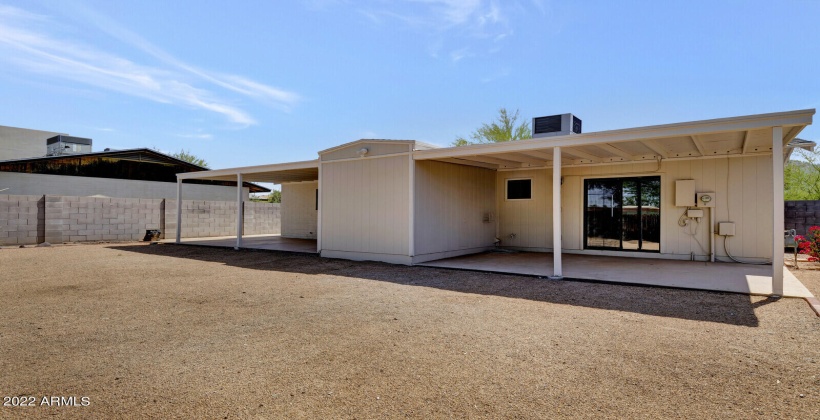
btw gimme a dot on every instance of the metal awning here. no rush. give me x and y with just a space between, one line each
736 136
275 174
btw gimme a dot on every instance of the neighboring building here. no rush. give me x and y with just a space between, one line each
21 143
132 173
665 191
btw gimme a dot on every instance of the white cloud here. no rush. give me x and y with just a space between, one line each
25 42
483 23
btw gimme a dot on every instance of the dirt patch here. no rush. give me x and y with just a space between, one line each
178 332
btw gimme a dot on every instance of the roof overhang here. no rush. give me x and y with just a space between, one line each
735 136
276 173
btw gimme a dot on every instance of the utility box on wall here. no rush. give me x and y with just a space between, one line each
685 193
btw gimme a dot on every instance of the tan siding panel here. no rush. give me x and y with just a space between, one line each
450 204
367 208
299 215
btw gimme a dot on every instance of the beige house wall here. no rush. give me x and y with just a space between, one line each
453 206
526 224
742 187
299 214
40 184
366 209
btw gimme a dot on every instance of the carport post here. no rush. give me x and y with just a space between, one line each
557 269
238 211
179 209
777 211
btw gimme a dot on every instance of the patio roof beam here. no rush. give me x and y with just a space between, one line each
654 146
469 163
582 155
493 160
698 145
522 158
614 150
540 154
791 135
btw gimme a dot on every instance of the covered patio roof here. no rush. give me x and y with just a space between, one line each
275 173
736 136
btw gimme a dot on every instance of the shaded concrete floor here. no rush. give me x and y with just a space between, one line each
268 242
722 277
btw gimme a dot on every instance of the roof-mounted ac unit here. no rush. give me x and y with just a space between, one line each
556 125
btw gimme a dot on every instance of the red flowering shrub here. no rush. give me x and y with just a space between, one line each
810 244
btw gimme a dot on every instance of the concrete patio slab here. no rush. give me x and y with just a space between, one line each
718 276
268 242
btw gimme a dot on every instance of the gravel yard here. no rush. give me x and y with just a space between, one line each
168 331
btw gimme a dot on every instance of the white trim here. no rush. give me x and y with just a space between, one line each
367 256
179 210
238 211
410 143
506 189
297 182
557 263
412 211
777 212
368 157
319 213
423 258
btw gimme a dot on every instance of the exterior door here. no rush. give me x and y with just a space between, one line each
622 214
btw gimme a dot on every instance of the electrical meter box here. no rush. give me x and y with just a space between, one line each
705 199
685 193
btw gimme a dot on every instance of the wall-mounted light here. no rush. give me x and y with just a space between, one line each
362 152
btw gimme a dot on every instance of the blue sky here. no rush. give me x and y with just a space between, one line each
255 82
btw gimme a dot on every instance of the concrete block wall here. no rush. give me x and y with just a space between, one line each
32 219
80 219
801 215
201 218
21 219
262 218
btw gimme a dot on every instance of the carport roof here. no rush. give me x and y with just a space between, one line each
275 174
735 136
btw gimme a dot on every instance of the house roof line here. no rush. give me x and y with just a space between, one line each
422 144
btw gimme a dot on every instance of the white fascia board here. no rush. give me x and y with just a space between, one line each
308 164
743 123
342 146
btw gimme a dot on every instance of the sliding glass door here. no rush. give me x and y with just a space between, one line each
622 213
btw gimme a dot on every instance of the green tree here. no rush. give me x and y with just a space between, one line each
802 178
190 158
503 129
275 196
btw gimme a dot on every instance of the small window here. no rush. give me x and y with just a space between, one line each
519 189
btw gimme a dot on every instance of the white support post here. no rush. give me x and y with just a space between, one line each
777 211
319 213
557 268
238 211
179 210
411 210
